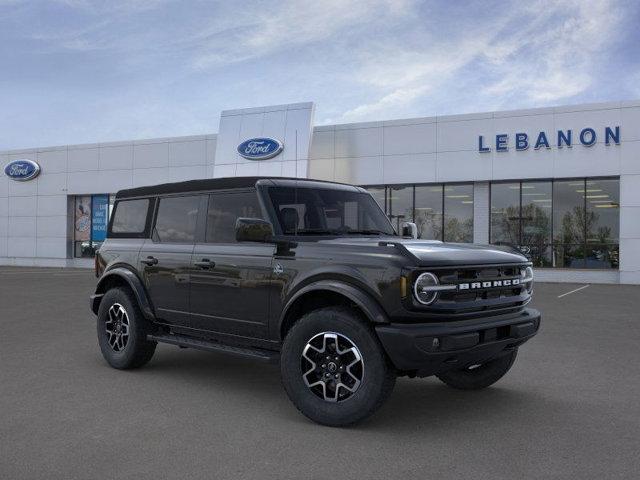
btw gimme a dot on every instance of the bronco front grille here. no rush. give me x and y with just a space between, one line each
480 289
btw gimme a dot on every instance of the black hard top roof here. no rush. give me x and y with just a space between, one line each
209 184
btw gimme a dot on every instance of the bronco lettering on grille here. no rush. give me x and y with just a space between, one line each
511 282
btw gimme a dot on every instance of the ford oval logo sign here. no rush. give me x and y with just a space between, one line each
260 148
22 170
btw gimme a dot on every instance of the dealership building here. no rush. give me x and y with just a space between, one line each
562 184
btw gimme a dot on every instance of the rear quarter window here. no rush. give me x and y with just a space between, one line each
130 217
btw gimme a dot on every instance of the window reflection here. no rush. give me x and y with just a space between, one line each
441 212
400 205
603 209
568 212
91 216
603 223
536 221
505 214
428 212
564 223
569 223
568 256
458 213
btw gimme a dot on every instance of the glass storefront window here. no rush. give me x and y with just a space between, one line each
91 217
602 256
603 223
505 214
441 212
82 227
568 212
569 223
428 211
536 221
568 256
458 213
564 223
603 209
400 202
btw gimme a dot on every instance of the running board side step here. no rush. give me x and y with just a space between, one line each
211 346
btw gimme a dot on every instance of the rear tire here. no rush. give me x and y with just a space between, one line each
481 376
122 331
335 386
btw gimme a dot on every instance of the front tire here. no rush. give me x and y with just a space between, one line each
481 376
334 369
122 331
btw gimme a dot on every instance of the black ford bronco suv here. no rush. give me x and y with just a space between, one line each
310 274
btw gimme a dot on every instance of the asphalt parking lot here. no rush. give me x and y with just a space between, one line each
569 408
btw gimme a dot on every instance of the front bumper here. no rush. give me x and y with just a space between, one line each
432 348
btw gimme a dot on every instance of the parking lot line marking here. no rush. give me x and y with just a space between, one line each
573 291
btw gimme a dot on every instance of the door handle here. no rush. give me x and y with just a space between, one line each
149 260
205 263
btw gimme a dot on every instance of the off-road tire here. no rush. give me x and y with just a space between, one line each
378 377
482 376
138 350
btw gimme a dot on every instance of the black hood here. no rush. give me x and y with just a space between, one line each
434 253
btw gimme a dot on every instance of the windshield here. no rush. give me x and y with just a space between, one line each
317 211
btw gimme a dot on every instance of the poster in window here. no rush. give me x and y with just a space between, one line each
99 217
82 229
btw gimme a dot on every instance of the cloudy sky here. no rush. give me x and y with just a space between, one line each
80 71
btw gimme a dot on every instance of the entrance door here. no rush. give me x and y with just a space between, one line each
230 281
166 259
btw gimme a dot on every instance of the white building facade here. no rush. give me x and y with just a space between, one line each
562 184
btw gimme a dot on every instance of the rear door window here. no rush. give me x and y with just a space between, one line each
130 216
225 209
177 219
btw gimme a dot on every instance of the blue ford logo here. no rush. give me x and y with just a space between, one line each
260 148
22 170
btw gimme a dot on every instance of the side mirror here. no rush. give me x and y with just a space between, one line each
253 230
409 229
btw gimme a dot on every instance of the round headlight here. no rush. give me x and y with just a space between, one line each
422 288
527 278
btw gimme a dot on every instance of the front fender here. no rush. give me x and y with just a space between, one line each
123 275
369 306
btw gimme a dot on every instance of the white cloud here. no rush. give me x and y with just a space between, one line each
112 6
159 68
286 25
214 34
554 63
397 98
543 52
404 77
